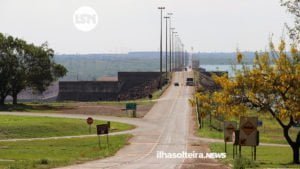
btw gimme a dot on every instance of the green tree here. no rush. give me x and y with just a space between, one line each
4 68
271 85
24 66
18 68
42 69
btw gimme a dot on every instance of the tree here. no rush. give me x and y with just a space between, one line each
293 6
42 70
4 68
271 85
24 65
18 68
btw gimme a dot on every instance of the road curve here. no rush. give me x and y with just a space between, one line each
164 128
168 132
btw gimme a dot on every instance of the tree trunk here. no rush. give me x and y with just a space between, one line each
296 154
2 100
15 98
294 145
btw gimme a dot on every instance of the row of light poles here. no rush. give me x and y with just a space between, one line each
176 48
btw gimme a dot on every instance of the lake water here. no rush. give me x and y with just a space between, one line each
227 68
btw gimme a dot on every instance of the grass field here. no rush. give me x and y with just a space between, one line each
267 156
270 132
35 127
53 153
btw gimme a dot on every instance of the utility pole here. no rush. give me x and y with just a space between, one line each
170 41
161 22
177 51
172 47
173 51
182 58
166 17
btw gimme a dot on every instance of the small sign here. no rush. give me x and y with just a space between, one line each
248 131
259 123
89 121
102 129
130 106
229 129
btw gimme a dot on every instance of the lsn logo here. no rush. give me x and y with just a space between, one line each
85 18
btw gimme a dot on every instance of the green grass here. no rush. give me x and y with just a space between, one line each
53 153
267 156
270 132
33 127
37 107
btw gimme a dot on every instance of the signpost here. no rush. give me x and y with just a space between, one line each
248 131
249 135
229 130
131 106
235 139
90 121
103 129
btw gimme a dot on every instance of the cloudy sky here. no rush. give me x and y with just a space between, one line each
133 25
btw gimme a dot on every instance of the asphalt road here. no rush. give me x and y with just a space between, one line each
165 129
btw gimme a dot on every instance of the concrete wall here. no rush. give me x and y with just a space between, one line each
132 79
130 85
89 90
138 84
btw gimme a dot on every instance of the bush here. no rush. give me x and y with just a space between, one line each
44 161
243 163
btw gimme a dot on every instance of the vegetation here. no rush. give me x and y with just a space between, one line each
293 7
270 132
24 65
271 85
267 157
37 107
13 127
54 153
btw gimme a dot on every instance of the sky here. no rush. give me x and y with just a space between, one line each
134 25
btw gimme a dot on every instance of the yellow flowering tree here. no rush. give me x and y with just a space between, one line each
271 85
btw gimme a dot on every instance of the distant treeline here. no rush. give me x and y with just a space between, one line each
94 66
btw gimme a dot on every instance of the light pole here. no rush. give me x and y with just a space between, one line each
161 15
170 40
177 51
166 17
173 50
182 57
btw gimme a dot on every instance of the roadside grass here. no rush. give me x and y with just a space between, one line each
270 132
13 127
37 107
54 153
267 156
53 107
